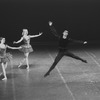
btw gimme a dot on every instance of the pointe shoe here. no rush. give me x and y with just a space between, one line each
5 78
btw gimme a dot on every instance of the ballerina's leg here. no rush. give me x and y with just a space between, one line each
4 71
27 62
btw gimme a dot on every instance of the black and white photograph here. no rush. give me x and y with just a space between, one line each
49 50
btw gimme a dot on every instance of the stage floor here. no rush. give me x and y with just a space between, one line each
70 80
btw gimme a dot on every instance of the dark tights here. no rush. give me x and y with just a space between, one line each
62 53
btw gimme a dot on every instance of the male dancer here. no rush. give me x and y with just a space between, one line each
64 40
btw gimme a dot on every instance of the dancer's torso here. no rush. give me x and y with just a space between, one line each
2 50
63 43
26 40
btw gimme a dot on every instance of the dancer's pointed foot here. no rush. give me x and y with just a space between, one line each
5 78
19 65
85 61
46 74
27 68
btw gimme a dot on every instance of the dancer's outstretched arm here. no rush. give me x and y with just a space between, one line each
78 41
53 30
12 47
18 40
32 36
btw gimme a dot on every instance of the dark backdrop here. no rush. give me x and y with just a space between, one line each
80 17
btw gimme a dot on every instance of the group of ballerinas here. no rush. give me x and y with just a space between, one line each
26 48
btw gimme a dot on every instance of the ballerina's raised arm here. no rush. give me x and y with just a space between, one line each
32 36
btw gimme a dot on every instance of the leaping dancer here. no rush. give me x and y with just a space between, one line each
64 40
26 48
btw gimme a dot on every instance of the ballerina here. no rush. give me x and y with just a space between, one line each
4 56
26 48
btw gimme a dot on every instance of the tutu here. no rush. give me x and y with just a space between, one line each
6 58
26 48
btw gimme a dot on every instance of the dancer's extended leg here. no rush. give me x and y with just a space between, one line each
27 62
4 71
67 53
21 62
57 59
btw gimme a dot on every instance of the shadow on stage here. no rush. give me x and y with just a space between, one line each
25 66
